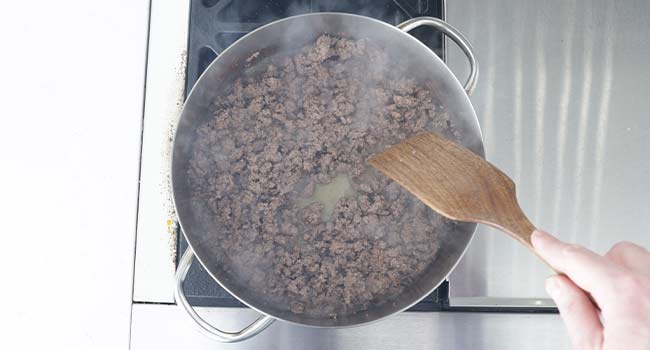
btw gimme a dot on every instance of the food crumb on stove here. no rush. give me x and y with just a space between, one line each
307 120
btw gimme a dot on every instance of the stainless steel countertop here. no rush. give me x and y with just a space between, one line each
563 103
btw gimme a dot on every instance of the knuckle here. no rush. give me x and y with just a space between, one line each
574 249
623 246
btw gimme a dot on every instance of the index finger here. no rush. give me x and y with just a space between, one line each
587 269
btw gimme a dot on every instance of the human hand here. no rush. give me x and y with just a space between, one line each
618 282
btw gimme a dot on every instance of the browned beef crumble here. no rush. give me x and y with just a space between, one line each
309 118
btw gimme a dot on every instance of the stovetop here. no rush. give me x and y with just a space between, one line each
216 24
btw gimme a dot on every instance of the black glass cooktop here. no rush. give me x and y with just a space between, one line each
216 24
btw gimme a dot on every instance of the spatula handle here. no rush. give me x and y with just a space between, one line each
520 228
516 224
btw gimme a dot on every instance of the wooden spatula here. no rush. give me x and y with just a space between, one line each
456 183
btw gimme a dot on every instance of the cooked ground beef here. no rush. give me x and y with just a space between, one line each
262 164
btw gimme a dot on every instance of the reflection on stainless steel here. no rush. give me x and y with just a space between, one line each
563 107
538 134
504 303
603 117
585 113
540 114
563 113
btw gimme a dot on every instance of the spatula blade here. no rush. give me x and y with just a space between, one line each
446 176
456 183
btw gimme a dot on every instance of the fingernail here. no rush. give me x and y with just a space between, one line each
552 287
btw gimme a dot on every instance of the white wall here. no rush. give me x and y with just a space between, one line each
71 86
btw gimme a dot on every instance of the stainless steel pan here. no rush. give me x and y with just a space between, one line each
282 35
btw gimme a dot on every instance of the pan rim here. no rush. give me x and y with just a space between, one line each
173 174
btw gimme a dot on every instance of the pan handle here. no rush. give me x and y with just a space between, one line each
225 337
455 35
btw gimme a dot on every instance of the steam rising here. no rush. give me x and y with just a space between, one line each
213 102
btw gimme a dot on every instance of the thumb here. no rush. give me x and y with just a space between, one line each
578 312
